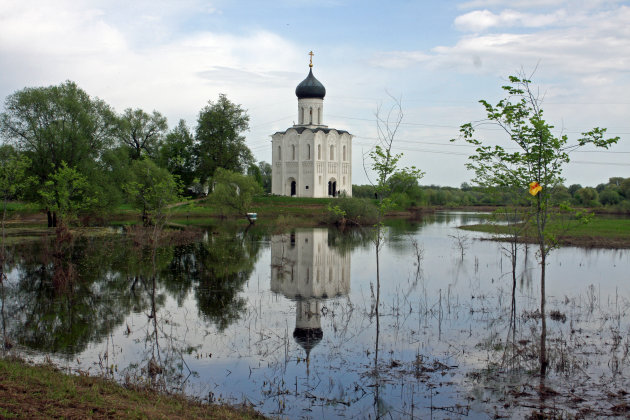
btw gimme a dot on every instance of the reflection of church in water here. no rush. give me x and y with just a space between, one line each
306 269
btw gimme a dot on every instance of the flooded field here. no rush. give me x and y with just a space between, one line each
287 321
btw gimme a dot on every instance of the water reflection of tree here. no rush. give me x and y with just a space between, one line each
65 298
346 240
62 302
221 267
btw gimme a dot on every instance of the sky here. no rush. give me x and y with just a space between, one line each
438 58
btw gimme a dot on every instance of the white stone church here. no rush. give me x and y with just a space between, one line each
311 159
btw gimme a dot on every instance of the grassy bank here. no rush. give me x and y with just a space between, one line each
282 212
600 232
38 392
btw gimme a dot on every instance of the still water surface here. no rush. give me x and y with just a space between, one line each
287 323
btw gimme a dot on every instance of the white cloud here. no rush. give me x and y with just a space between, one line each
481 20
586 45
537 4
46 28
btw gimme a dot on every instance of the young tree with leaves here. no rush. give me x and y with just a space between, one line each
534 157
66 193
384 163
235 192
151 189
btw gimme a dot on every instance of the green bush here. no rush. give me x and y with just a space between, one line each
609 197
351 211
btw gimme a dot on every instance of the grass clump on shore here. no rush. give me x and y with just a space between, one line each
38 392
600 232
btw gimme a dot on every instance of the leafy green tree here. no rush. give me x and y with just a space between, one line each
177 153
615 181
253 171
265 172
573 189
587 197
141 132
220 140
66 194
535 155
115 172
151 190
609 197
58 124
235 192
261 172
13 177
559 195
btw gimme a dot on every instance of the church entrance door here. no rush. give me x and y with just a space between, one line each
332 188
293 188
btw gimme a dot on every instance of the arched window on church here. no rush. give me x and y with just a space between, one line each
344 152
308 152
319 152
279 153
332 153
293 152
319 116
301 121
310 120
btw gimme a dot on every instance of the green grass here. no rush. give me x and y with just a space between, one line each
599 232
20 207
44 392
267 207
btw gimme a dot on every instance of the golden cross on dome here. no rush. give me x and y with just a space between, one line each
311 63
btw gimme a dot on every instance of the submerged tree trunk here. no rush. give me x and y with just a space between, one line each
378 299
514 246
543 331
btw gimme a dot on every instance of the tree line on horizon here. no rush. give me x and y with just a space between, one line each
405 193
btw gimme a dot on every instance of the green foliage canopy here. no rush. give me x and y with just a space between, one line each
141 132
58 124
220 140
234 191
151 189
177 153
66 193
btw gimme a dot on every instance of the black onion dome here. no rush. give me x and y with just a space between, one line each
308 337
310 87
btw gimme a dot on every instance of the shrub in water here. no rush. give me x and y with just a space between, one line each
353 211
